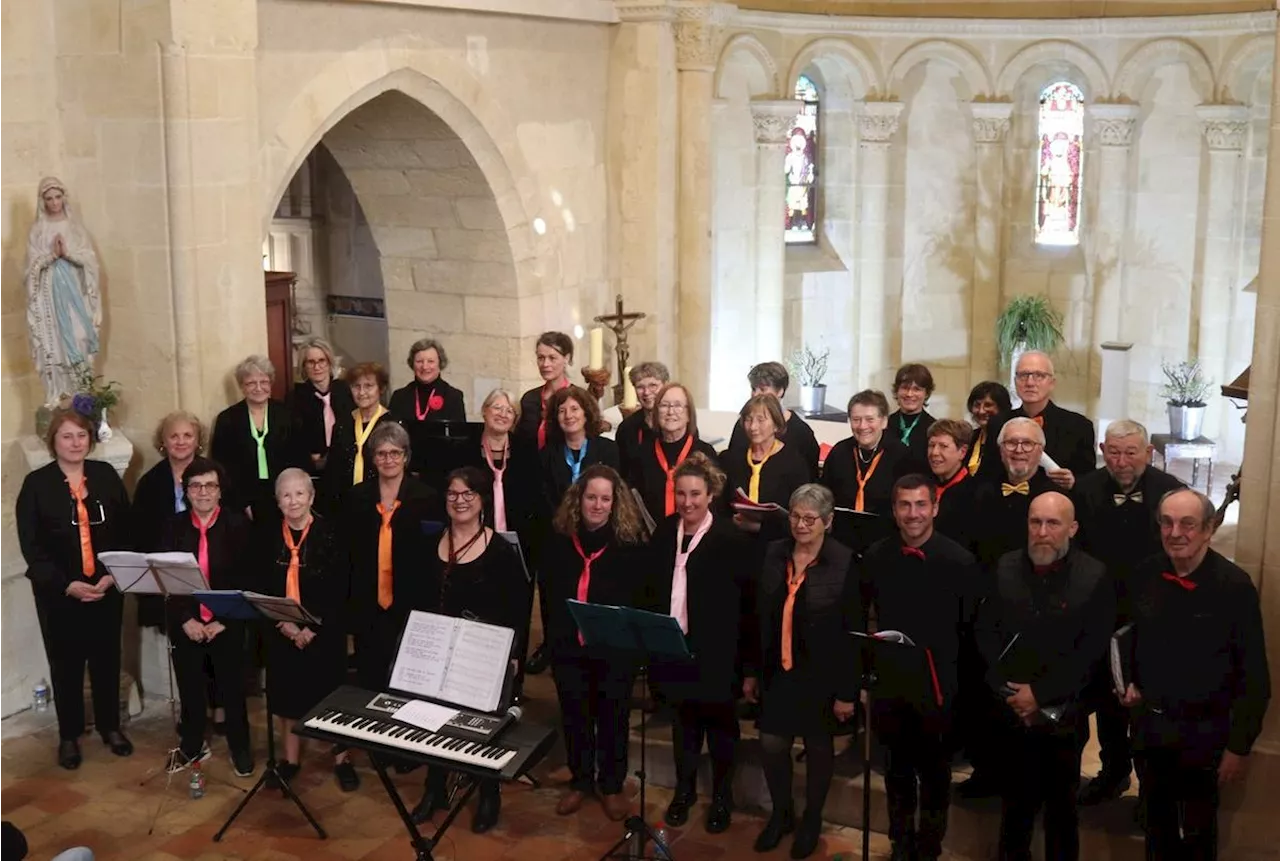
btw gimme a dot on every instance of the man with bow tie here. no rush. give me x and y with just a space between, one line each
922 584
1040 632
1200 684
1116 507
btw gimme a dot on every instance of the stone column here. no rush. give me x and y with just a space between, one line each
877 125
990 131
1225 129
1112 127
698 30
773 121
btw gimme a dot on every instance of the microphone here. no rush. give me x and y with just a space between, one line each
516 712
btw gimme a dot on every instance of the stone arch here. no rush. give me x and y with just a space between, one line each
1048 51
965 61
1143 61
748 53
842 63
1241 68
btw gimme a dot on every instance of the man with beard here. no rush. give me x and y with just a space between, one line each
1041 631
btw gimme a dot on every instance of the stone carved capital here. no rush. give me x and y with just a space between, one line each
773 120
699 31
991 121
1113 124
1225 127
878 122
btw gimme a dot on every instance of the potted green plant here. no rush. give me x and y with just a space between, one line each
1027 323
1186 392
810 368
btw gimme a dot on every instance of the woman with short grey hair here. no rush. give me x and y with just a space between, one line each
252 439
427 398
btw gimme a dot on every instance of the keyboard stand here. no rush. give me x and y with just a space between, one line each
422 846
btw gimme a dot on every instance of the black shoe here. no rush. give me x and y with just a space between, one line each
806 839
980 784
242 763
1104 787
69 754
487 810
538 661
678 810
780 824
348 780
718 816
119 745
435 798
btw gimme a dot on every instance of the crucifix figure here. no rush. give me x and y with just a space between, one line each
619 322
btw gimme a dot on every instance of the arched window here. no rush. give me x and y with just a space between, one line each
1060 160
801 167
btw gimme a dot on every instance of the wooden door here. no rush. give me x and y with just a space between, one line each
280 329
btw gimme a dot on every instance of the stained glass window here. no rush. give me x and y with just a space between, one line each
1061 154
801 167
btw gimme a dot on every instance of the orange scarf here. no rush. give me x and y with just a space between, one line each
860 503
291 587
384 554
670 497
961 475
88 563
794 582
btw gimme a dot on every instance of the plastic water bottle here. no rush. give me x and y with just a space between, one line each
662 841
197 780
40 696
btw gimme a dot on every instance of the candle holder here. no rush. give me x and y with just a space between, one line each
597 380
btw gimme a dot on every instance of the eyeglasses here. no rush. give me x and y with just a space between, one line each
314 363
460 495
257 384
672 408
1033 376
390 454
502 411
1019 445
807 519
202 487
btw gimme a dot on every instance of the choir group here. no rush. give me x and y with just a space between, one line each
995 546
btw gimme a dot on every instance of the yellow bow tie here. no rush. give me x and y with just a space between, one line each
1021 487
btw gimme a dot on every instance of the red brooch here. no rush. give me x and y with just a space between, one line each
435 402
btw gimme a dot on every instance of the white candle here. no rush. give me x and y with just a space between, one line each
597 349
629 401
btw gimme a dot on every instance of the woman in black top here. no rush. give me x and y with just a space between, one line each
219 539
476 574
317 404
349 461
909 424
771 378
987 400
806 678
158 495
636 431
554 352
512 464
699 562
427 399
767 469
253 442
595 556
573 443
674 439
68 512
301 558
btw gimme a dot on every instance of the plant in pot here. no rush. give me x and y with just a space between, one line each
1186 392
810 368
1026 323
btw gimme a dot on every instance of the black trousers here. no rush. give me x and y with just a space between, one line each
1182 806
819 763
376 641
193 663
1042 770
595 702
979 714
717 723
1113 725
77 633
917 777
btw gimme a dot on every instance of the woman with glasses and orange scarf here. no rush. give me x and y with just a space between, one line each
672 440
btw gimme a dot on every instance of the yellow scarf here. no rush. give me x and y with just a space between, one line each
753 488
362 435
975 456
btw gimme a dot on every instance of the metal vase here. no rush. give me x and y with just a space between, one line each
1185 423
813 399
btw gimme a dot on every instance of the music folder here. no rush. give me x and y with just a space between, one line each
1122 659
169 573
628 630
904 671
250 606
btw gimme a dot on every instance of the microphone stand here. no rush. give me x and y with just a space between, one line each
638 830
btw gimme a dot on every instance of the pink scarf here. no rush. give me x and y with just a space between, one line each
329 418
679 578
202 555
499 498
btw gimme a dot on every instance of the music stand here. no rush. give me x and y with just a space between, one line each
642 636
250 606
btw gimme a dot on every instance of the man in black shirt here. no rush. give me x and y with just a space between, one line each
921 584
1116 507
1040 633
1200 684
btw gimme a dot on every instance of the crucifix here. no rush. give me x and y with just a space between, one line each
619 322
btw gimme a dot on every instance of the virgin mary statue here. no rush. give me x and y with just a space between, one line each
64 305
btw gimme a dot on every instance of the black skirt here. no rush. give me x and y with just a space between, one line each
298 679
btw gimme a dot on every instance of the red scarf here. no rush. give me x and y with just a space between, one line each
434 402
584 579
960 476
202 555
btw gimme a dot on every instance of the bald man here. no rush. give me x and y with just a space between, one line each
1047 622
1069 436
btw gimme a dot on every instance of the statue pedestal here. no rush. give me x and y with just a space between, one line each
117 451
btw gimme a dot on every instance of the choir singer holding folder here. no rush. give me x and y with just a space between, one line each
218 539
67 513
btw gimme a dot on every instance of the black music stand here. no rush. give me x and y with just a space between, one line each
641 636
253 607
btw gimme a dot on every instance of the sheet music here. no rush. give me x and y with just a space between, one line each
428 716
459 661
174 573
